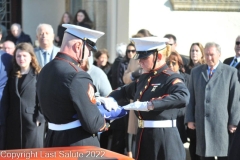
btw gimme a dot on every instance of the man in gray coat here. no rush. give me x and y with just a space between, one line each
46 50
213 109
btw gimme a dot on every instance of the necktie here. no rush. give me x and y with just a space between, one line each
234 62
210 73
45 58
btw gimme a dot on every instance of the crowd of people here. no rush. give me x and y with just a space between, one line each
49 93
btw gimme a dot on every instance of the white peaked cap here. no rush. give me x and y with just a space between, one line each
82 32
149 43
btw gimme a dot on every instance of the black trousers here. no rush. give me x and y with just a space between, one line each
2 137
212 158
193 144
119 135
104 137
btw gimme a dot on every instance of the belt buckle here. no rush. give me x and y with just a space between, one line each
140 123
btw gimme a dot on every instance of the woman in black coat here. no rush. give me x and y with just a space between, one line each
25 123
66 19
82 19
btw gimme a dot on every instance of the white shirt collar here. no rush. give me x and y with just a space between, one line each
238 58
49 51
214 66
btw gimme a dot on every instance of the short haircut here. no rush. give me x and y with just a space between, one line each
16 24
171 36
44 24
213 44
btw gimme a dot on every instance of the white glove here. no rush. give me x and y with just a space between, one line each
137 106
109 102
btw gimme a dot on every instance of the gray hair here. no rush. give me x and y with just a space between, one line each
121 48
46 25
213 44
17 25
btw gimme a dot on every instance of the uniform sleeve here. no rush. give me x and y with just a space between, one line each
127 91
84 102
177 96
233 102
190 110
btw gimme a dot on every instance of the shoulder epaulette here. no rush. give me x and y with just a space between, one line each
77 68
168 72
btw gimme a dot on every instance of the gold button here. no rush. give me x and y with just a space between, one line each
155 72
149 79
145 87
140 123
139 117
140 93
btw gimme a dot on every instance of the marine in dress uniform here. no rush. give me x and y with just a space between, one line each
158 94
66 92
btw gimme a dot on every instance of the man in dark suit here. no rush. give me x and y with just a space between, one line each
17 35
213 109
234 61
173 42
5 67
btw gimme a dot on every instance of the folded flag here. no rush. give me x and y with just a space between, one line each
113 114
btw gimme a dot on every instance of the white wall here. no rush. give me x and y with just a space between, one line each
188 26
35 12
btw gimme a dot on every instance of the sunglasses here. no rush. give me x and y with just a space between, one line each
133 51
171 62
237 43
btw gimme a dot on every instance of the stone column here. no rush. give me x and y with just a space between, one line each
97 11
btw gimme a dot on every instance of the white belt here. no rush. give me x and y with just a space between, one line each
61 127
156 124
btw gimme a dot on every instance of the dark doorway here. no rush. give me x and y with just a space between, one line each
11 12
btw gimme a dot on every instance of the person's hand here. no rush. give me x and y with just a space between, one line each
136 74
109 102
137 106
232 128
191 125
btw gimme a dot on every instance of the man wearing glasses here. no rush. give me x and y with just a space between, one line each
234 61
173 42
66 92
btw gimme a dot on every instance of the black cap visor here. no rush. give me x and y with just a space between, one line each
144 54
89 43
92 45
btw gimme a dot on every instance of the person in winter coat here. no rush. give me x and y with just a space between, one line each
25 123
